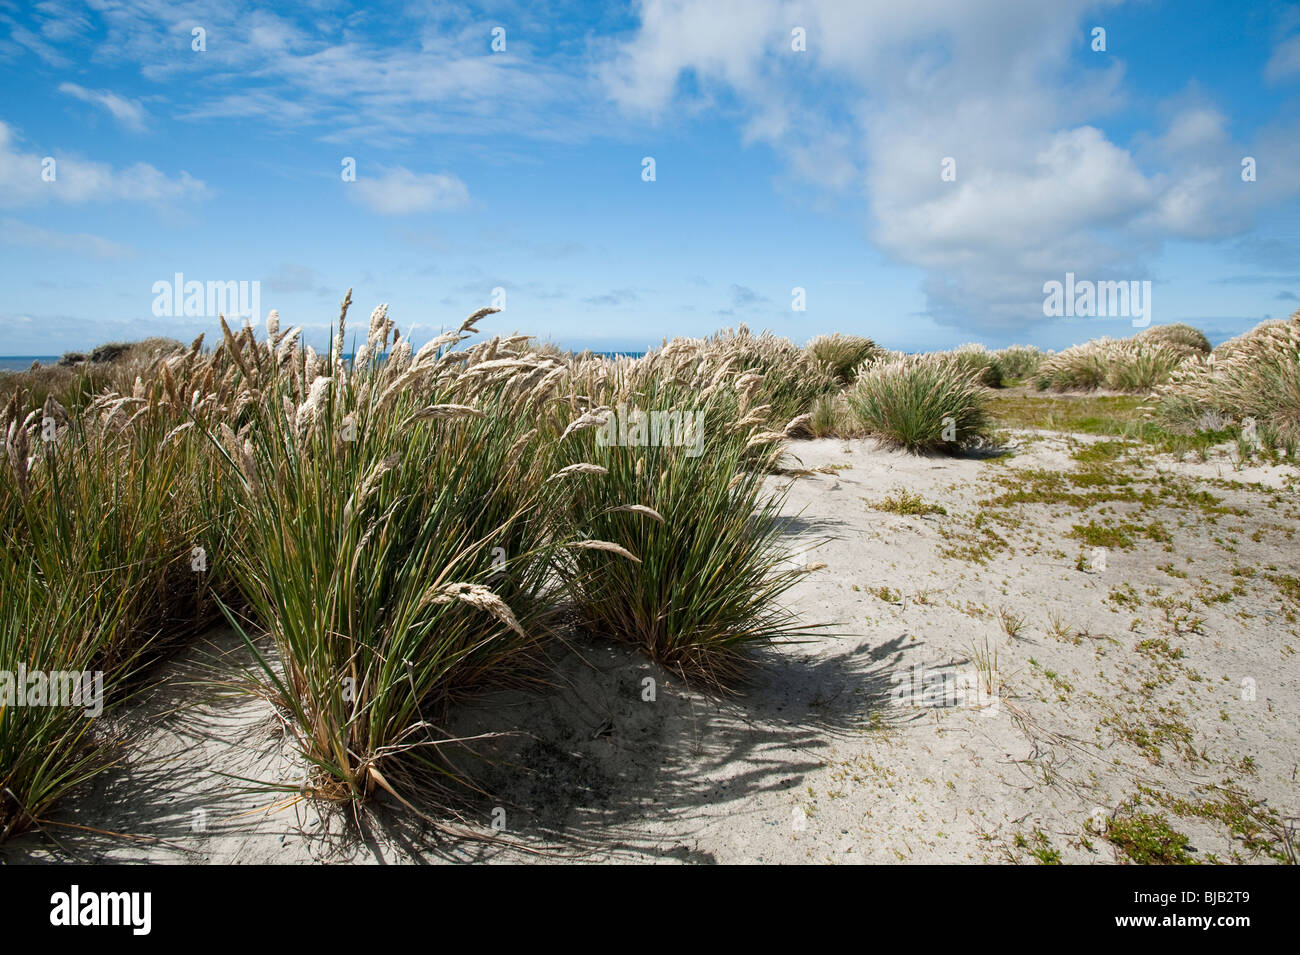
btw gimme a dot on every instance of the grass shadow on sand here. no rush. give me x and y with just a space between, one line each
166 798
587 767
597 769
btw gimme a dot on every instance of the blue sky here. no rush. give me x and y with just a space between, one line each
775 168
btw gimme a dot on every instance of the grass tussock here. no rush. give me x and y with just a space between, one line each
77 378
1178 336
791 378
921 403
831 417
114 521
975 362
418 560
1016 363
684 559
1129 365
842 354
1252 378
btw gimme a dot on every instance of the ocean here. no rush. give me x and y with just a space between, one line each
23 362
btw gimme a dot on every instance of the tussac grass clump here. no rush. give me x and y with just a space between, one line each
1255 376
1179 336
843 355
685 563
45 750
418 558
101 513
831 417
973 361
923 403
791 378
1132 365
1017 363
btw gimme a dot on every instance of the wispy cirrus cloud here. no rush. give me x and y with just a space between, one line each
16 232
613 298
128 112
346 74
399 191
291 278
78 180
1284 64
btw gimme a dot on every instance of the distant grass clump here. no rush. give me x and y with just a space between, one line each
921 403
1255 376
1178 336
1016 363
78 377
995 369
1132 365
831 417
842 355
792 378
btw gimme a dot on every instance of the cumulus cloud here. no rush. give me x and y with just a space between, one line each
1005 90
399 191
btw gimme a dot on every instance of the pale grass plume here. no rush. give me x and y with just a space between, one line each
648 511
309 409
444 412
588 419
608 546
478 596
581 467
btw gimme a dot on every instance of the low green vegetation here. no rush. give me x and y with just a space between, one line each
903 501
1148 839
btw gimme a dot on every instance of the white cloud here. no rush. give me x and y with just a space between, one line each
1284 64
398 191
15 232
126 111
83 180
886 91
350 75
